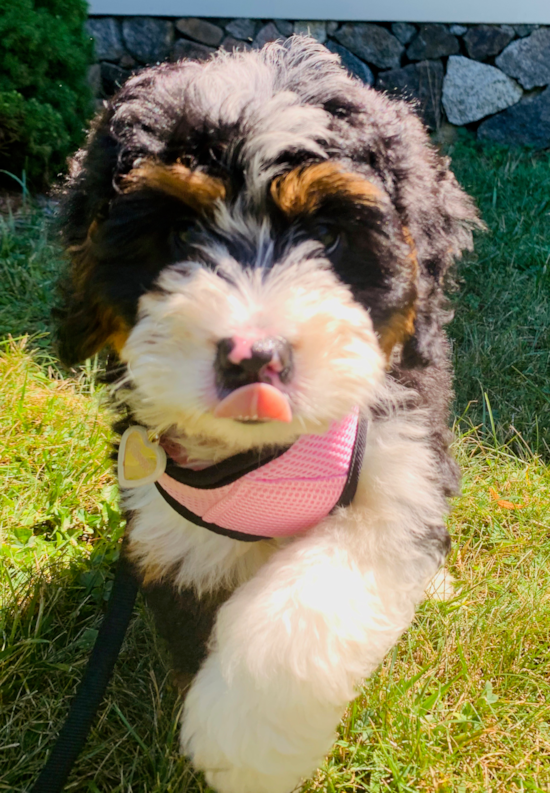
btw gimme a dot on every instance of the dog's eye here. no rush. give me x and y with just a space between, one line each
329 237
181 238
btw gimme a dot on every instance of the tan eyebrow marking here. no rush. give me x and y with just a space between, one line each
198 190
303 190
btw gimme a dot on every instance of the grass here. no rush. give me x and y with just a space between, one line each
29 268
462 702
501 331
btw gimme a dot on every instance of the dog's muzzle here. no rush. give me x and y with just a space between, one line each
249 373
241 360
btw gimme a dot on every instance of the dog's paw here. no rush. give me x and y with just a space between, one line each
248 780
441 587
242 738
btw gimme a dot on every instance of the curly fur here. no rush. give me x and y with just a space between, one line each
270 193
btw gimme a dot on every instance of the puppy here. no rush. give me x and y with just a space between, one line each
263 240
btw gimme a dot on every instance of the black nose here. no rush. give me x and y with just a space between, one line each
266 361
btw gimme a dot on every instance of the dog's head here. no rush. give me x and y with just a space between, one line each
259 219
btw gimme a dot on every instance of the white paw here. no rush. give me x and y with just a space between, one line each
249 738
247 780
441 586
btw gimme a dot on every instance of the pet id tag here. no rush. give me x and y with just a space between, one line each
140 462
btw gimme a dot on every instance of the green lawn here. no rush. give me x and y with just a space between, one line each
463 702
501 332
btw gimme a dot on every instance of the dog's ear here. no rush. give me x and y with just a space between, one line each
439 218
84 326
438 214
84 330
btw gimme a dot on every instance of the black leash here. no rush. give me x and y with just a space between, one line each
74 732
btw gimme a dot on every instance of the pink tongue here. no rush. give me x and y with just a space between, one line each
255 401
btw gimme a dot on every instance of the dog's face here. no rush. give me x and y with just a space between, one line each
241 251
257 289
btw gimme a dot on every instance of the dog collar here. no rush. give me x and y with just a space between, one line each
255 495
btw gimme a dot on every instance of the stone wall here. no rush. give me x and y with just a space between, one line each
494 79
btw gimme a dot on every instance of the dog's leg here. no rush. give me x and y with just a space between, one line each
291 646
185 621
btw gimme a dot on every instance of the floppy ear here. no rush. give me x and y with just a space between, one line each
84 326
84 330
440 218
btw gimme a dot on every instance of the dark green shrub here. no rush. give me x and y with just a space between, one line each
45 100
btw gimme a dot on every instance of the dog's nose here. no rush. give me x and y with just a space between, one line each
240 361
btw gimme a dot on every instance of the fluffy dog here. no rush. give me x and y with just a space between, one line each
263 240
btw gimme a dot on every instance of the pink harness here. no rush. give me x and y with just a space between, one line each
277 493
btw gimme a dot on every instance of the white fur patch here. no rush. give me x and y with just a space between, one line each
171 350
161 539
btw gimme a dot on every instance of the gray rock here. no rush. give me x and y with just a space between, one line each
403 32
284 27
525 124
315 28
458 30
242 29
473 90
200 30
433 41
107 38
524 30
112 77
266 34
149 40
484 41
354 66
232 44
528 59
192 50
421 82
127 62
94 79
332 27
371 43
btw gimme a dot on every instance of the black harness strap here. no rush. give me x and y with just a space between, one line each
227 471
350 488
91 689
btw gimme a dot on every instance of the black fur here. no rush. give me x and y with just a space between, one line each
185 622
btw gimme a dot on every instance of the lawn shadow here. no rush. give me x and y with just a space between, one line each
51 627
